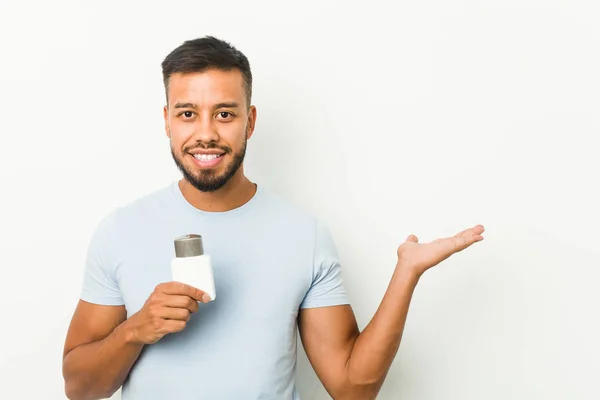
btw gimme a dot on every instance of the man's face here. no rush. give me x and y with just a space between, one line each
209 123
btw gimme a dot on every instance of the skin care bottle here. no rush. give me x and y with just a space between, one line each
191 266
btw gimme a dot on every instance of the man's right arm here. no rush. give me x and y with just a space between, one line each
99 351
102 344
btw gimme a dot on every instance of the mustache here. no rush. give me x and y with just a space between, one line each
208 146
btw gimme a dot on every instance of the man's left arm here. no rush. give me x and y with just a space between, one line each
353 364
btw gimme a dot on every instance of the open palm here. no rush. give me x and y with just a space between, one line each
419 257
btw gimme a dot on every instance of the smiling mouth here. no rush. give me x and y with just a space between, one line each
207 157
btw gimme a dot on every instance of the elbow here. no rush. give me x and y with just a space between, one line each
353 390
360 386
362 391
73 387
80 384
73 393
75 390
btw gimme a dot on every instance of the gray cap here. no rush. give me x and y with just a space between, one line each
189 246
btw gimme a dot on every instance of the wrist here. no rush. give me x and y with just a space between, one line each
407 273
128 332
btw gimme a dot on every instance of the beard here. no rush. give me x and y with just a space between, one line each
210 180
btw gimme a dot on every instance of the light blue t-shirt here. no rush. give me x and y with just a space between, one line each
270 259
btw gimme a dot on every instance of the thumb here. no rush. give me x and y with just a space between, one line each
412 238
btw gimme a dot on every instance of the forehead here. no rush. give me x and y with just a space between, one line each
206 88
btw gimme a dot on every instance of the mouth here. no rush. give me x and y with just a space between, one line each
206 157
207 160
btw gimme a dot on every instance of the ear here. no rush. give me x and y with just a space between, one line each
251 122
166 116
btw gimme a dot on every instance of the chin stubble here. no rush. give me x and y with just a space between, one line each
209 181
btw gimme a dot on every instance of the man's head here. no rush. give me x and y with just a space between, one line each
208 116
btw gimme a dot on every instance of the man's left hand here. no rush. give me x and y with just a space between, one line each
419 257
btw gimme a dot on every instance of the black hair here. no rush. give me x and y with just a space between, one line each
198 55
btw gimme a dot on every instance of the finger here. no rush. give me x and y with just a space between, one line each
475 230
179 288
170 313
173 326
478 229
461 243
412 238
177 301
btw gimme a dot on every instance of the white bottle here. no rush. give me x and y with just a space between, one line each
191 266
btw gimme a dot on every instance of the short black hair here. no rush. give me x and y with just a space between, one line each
201 54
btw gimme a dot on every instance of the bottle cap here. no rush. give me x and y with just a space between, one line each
189 246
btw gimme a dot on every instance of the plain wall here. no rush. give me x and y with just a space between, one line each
382 118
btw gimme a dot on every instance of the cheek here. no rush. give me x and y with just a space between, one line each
181 133
235 136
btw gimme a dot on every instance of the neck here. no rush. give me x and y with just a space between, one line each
237 192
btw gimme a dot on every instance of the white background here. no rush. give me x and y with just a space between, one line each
383 118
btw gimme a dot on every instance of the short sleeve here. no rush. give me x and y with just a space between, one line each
327 288
99 281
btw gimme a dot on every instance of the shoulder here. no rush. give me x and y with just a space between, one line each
287 211
292 217
136 211
157 200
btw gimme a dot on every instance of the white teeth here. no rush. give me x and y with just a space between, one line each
206 157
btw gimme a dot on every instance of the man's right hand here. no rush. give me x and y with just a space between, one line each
167 310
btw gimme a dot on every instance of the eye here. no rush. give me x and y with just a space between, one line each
225 114
186 115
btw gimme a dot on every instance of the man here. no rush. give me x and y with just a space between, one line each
276 270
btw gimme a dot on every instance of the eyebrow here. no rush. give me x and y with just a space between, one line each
231 104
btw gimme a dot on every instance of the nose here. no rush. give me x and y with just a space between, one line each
205 131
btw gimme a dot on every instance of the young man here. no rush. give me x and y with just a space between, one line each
276 270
